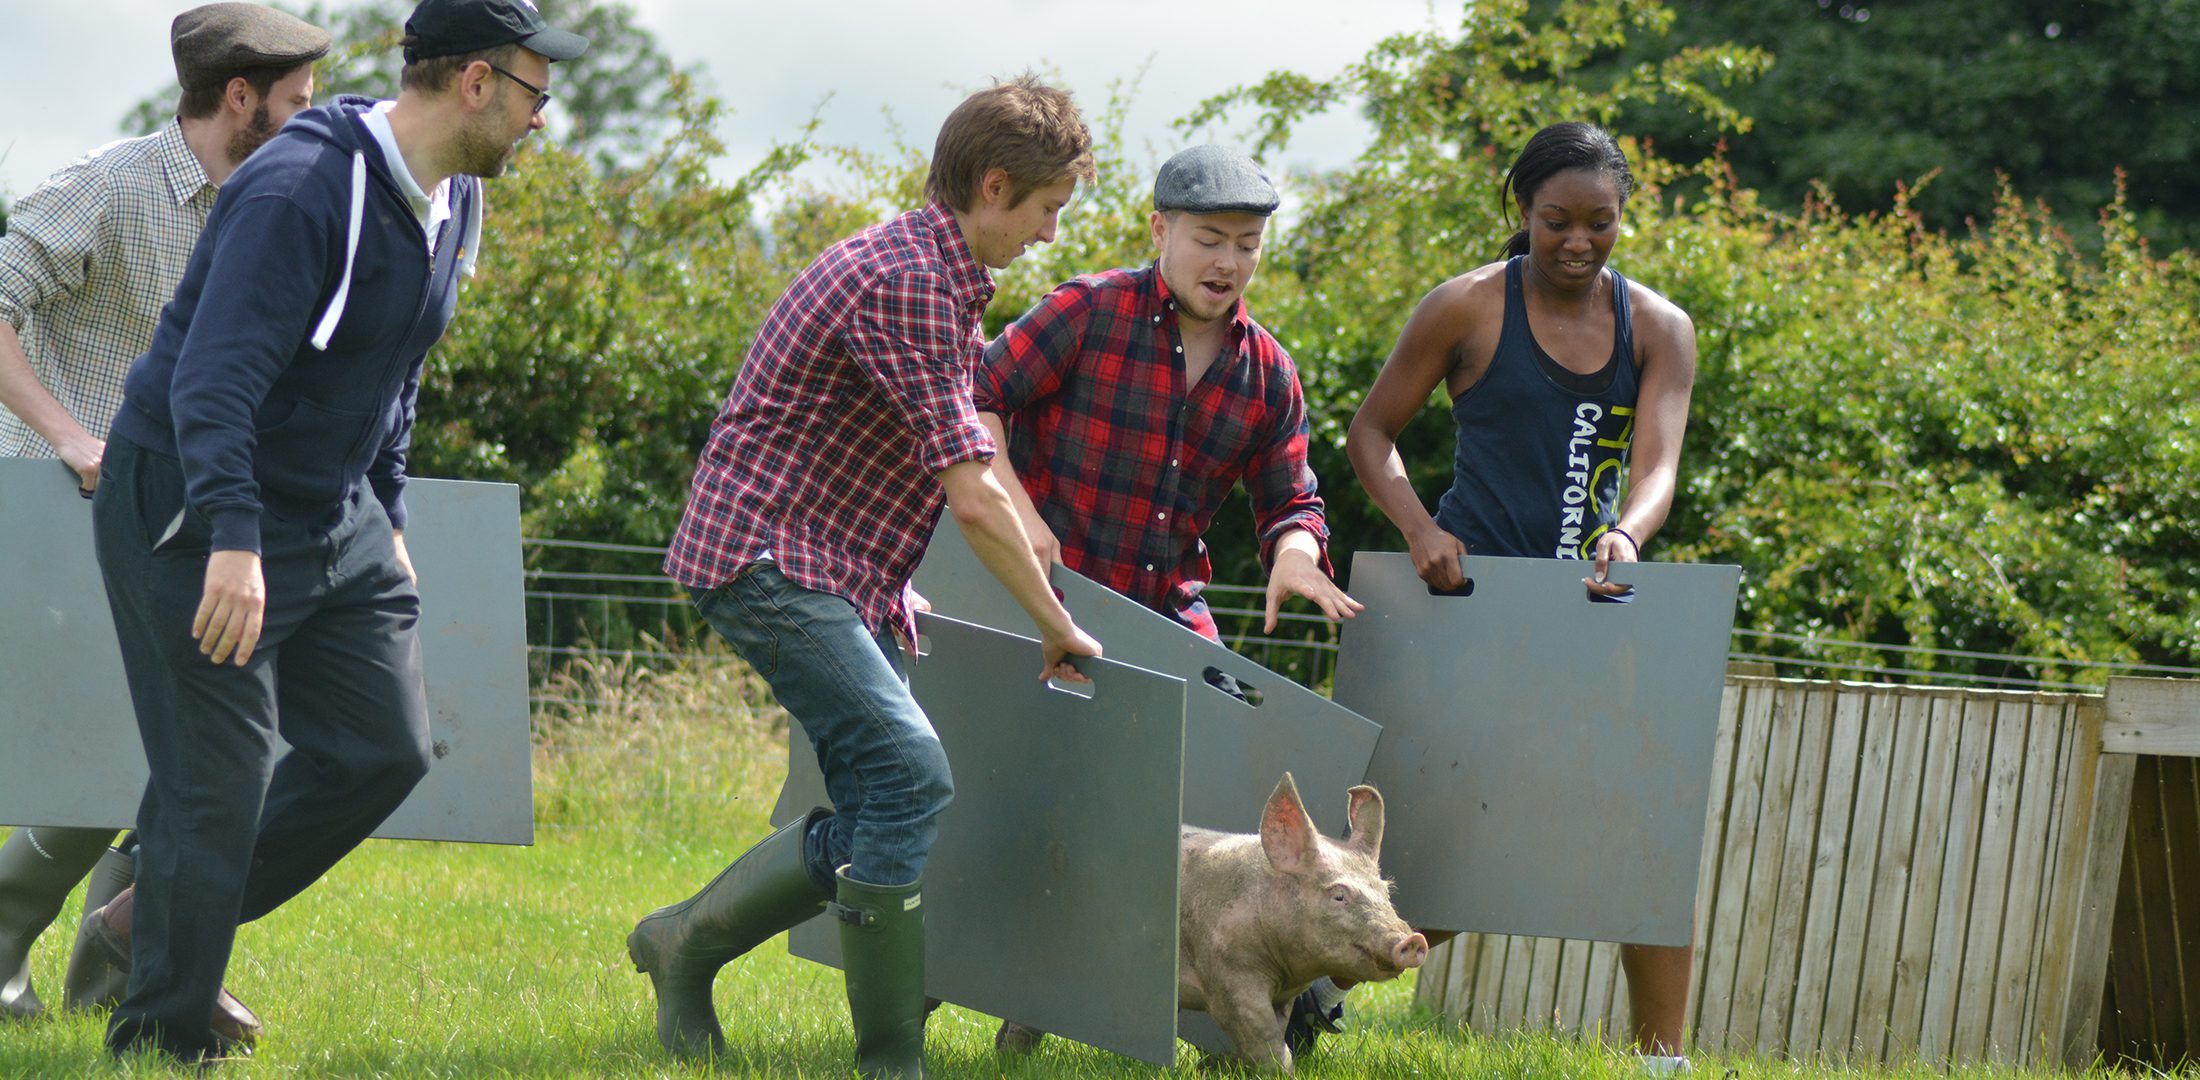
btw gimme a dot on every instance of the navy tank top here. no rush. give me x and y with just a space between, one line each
1542 455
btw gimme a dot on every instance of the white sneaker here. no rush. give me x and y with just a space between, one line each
1663 1065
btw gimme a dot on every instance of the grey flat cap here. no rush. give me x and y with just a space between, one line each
216 41
1214 180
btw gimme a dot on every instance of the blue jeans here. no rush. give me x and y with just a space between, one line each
884 767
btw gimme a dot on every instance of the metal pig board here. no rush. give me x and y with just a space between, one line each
73 756
1547 760
1050 897
1235 752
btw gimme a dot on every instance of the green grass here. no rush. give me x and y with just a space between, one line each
451 960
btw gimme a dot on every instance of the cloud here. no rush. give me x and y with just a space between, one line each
68 72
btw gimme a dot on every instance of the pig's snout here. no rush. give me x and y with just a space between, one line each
1410 952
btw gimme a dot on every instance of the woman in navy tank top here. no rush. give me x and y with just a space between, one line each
1569 388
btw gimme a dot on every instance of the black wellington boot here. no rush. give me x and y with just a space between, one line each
765 891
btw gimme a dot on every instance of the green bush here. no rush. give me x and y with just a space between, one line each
1983 442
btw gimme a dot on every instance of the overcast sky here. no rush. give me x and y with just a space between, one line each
70 69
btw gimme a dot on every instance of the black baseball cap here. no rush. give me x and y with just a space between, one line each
452 27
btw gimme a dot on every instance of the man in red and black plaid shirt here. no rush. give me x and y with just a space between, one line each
1133 401
848 428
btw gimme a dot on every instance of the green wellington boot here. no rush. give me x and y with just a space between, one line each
882 944
94 981
38 867
681 947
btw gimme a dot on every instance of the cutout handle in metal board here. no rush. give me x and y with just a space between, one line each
1626 595
1465 586
1231 686
1084 689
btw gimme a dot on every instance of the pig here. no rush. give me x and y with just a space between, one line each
1261 916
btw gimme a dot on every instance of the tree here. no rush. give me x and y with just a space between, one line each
615 103
1865 96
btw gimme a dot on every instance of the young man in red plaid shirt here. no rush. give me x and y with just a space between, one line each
1132 401
847 429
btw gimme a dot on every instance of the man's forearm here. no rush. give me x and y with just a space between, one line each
990 524
1005 472
1298 539
22 394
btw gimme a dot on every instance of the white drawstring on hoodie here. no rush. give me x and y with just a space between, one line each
335 312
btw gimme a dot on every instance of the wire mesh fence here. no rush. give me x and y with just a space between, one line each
591 601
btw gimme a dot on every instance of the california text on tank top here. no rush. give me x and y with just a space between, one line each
1542 455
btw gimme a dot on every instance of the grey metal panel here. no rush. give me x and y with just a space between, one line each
1547 759
1051 894
72 755
1233 752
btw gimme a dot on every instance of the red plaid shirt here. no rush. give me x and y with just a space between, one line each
855 394
1125 465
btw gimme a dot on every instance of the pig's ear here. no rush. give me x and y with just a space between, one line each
1286 833
1366 815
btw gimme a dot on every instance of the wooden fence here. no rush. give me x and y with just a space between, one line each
1896 873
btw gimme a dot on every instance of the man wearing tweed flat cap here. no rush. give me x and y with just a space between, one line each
1133 401
1169 352
89 258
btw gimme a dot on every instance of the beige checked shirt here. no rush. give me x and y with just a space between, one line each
89 260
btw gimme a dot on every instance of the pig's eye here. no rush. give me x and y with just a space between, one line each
1340 894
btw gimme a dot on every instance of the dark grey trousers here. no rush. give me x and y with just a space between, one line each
231 826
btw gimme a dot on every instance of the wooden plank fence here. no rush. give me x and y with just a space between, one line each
1893 873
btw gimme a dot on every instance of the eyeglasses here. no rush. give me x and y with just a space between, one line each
542 96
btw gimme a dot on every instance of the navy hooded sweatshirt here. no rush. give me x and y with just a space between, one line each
284 373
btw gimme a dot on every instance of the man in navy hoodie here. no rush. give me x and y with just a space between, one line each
250 514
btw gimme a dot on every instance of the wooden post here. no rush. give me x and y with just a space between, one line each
2149 952
2152 716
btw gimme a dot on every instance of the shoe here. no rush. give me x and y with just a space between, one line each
94 982
108 929
1308 1021
767 890
1663 1064
38 868
1016 1040
882 944
126 1041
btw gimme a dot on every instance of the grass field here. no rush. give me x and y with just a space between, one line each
448 960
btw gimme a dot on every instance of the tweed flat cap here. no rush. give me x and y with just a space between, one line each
214 42
1214 180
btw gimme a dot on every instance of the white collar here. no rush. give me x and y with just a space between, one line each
432 209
